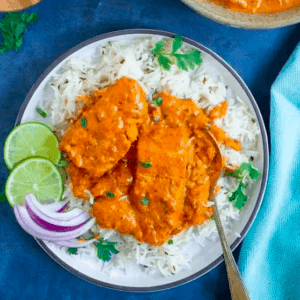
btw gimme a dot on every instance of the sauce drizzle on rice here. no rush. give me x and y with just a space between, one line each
158 174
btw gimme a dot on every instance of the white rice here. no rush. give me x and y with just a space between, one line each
207 89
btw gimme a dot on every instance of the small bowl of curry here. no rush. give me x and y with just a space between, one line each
252 14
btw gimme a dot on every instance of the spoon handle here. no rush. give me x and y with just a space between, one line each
237 287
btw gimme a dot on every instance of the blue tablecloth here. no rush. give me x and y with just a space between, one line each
26 271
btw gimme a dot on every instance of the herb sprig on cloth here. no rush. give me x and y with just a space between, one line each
13 27
184 61
245 173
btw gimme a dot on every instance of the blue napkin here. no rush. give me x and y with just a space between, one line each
270 255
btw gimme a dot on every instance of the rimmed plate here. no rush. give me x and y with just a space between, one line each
211 255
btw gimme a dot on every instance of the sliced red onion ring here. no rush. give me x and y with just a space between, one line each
39 215
70 215
56 206
70 244
62 208
42 233
53 225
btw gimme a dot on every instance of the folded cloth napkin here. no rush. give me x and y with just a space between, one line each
270 255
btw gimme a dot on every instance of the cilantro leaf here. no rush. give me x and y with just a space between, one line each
170 242
158 46
255 174
146 164
63 163
145 201
157 102
13 26
72 251
105 249
184 61
164 62
238 197
181 63
244 173
110 194
83 122
177 43
41 112
32 18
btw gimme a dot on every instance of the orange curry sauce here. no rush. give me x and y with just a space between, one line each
148 167
258 6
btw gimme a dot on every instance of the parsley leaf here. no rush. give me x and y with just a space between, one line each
145 201
170 242
157 102
13 27
72 251
105 249
41 112
184 61
212 218
146 164
244 173
110 194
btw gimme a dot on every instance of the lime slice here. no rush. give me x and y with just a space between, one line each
30 139
35 175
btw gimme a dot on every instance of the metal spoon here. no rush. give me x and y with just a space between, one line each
237 287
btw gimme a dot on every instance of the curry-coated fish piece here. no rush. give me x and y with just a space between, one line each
104 131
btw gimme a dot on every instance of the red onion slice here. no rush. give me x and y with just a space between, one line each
70 215
70 244
57 226
56 206
39 215
47 234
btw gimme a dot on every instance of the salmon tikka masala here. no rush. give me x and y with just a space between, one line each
148 166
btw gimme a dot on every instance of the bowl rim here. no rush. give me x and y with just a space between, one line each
237 19
238 240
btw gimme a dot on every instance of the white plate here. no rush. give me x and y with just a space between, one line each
211 255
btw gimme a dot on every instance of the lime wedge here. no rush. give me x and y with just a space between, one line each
30 139
35 175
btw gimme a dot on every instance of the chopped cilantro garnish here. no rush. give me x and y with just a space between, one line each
72 251
41 112
13 27
110 194
145 164
83 122
184 61
244 173
145 201
170 242
157 102
212 218
63 163
156 119
105 249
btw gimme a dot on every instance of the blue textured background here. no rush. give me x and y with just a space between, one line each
26 271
